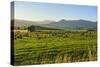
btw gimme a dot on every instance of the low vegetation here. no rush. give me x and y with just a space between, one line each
54 46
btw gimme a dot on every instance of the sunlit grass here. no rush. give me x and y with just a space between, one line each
46 47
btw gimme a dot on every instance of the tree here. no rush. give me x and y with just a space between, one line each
32 28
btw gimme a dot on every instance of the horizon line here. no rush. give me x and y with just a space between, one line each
55 20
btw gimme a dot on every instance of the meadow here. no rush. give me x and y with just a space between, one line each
54 46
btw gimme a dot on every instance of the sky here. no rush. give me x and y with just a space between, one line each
35 11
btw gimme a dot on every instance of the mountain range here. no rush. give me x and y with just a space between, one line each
61 24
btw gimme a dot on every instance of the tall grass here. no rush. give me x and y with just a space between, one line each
46 47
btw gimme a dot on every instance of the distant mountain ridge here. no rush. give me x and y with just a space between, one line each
61 24
73 24
26 23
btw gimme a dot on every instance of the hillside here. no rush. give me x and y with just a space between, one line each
62 24
21 23
73 24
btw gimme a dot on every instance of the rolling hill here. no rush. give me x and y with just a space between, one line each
73 24
21 23
62 24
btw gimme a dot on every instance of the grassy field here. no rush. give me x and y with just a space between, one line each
54 46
